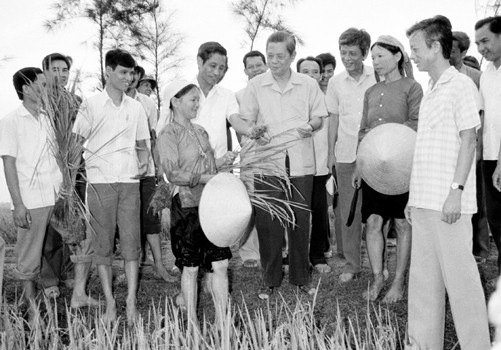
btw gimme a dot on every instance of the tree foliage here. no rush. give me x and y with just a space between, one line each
156 42
263 14
113 18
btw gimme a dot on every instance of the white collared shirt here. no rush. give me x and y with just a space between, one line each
214 111
111 133
447 108
30 141
283 111
490 91
345 97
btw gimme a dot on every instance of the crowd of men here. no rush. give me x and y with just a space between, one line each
459 113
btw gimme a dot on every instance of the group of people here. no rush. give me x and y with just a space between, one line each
317 120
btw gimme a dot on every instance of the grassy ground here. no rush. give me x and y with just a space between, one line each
334 302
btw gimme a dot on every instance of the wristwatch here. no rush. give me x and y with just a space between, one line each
456 186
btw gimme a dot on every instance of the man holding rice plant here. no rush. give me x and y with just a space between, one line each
291 105
32 175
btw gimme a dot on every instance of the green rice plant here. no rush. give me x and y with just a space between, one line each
7 228
276 326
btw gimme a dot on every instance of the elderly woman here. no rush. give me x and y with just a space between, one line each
188 162
394 100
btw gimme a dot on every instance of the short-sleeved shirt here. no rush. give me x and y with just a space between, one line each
30 141
490 91
111 133
150 108
472 73
447 108
183 153
214 111
283 112
394 102
345 97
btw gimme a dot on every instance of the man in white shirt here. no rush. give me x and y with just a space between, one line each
488 40
32 174
115 129
442 199
344 99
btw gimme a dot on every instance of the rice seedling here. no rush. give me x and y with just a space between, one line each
277 326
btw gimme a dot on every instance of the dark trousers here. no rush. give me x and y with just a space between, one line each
320 232
493 202
479 220
56 265
271 233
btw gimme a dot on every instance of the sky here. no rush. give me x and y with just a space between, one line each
25 42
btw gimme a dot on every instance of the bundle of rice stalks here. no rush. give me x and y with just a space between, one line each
61 107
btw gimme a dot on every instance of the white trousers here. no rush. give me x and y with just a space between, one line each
442 260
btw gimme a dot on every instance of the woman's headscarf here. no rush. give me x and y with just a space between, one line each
389 40
170 91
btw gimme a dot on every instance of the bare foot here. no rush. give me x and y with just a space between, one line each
132 313
111 312
84 301
375 288
162 272
179 301
396 292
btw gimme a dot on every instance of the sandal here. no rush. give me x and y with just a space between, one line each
265 293
52 292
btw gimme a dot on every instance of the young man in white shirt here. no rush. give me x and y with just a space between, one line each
32 174
115 131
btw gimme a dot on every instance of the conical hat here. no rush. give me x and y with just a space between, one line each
384 158
224 210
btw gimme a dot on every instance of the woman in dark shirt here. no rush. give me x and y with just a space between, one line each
394 100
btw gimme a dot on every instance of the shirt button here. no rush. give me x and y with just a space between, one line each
380 105
380 119
382 94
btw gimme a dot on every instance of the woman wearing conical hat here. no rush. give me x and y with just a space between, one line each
395 99
187 161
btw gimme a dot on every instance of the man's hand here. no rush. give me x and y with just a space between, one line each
407 213
22 216
356 179
451 211
496 177
305 130
331 160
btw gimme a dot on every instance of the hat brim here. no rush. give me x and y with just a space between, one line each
384 158
224 210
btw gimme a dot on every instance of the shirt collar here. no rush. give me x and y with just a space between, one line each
492 68
104 97
268 79
366 72
446 76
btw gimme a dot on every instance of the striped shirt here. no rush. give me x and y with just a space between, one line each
447 108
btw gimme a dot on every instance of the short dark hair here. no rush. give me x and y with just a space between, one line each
327 59
493 22
472 62
208 49
140 71
439 29
283 37
25 76
47 60
253 53
119 57
310 58
356 37
462 39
